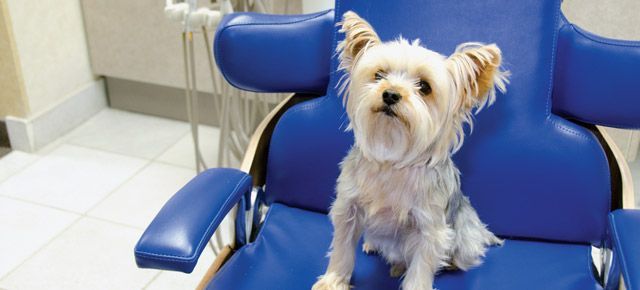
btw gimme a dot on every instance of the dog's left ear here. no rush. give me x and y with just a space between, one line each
475 70
359 36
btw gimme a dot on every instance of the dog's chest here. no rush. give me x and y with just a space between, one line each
395 199
387 220
388 198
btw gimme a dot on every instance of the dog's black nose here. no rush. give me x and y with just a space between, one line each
390 97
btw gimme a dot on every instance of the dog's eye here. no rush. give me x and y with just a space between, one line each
379 75
425 88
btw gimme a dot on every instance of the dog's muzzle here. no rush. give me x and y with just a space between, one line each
387 110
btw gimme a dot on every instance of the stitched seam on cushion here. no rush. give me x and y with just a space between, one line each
338 13
235 256
164 257
303 106
607 124
191 258
554 49
604 166
609 42
564 20
603 40
568 130
309 17
219 34
235 189
550 96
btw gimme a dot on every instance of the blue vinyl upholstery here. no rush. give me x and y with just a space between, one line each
177 235
266 53
625 231
521 159
591 85
538 180
290 252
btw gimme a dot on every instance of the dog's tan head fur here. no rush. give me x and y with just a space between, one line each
407 104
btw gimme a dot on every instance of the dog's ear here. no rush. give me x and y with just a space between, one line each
475 70
359 36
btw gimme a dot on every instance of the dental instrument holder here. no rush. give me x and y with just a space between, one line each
193 19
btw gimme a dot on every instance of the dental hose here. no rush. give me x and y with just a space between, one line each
192 97
220 112
191 93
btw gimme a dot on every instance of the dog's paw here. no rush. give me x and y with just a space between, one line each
331 281
368 248
397 270
466 262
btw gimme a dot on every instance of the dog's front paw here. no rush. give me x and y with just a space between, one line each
331 281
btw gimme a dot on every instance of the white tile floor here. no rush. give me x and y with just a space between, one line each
71 213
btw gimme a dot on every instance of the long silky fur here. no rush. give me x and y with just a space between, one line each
359 36
398 185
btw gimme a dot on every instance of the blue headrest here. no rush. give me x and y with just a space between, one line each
528 172
267 53
597 78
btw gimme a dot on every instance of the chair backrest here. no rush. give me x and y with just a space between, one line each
528 172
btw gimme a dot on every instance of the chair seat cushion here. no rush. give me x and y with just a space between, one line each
290 253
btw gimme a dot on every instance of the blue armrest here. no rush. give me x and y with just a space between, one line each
625 232
177 235
275 53
596 78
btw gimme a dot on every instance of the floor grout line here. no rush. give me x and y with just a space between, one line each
41 248
21 169
176 165
17 198
105 151
152 279
123 183
113 222
66 140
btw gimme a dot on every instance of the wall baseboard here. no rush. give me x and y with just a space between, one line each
32 133
157 100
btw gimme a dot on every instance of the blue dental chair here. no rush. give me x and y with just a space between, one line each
536 167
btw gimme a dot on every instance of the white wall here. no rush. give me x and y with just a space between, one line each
52 49
310 6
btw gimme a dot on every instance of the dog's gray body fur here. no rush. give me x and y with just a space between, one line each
423 221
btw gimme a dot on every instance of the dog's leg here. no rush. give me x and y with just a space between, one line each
346 220
471 236
426 252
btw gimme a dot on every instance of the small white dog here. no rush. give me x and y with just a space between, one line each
398 186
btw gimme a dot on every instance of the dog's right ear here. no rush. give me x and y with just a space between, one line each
359 36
